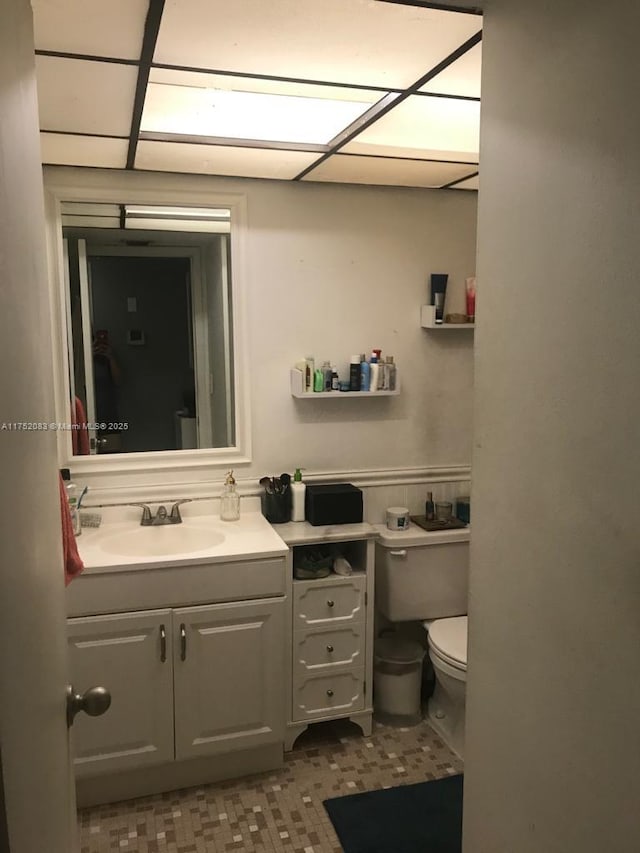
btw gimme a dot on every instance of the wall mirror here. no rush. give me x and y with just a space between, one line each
149 308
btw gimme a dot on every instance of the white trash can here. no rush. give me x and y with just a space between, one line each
397 681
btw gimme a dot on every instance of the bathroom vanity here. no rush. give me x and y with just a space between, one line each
190 645
215 656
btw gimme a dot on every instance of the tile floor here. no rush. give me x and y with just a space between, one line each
276 812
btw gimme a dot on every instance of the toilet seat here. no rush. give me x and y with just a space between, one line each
448 640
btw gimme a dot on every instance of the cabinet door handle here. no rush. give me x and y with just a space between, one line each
329 648
183 642
399 553
163 644
329 693
330 603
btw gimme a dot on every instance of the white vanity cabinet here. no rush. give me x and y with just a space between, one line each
331 631
211 675
197 687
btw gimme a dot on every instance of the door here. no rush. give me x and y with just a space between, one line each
37 792
228 676
131 653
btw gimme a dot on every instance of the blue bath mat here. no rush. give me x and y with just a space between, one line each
422 818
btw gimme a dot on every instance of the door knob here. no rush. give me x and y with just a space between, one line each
94 702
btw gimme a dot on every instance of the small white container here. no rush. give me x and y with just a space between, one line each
398 518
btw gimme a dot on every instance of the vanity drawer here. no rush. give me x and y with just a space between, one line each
332 599
326 649
176 586
330 694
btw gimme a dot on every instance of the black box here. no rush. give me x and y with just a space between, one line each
337 503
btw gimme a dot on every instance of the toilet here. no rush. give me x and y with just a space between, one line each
423 577
447 640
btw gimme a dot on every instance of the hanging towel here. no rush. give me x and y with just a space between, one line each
79 433
73 564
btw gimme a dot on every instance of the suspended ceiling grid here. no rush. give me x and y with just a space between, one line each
348 91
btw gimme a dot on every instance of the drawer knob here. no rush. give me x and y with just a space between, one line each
329 603
329 648
329 693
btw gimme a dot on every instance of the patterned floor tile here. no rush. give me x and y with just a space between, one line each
276 812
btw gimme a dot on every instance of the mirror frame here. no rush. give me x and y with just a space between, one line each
65 184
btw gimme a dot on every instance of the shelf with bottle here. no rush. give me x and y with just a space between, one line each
297 390
428 320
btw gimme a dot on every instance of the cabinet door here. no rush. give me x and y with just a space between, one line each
228 676
127 654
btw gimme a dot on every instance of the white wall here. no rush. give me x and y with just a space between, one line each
335 270
554 688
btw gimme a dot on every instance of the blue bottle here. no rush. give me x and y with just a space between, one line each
365 374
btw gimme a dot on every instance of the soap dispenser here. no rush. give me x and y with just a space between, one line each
230 500
298 490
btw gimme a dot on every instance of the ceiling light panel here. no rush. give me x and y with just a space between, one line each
420 126
462 77
244 108
342 168
85 97
221 160
359 42
63 149
113 29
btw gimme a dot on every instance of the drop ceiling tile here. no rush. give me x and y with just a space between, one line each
469 184
214 105
359 42
462 77
221 160
354 169
81 96
64 149
111 29
420 126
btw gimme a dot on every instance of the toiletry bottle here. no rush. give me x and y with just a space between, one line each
72 498
308 373
383 380
335 381
365 374
354 373
429 509
374 374
318 380
391 371
230 500
298 490
326 376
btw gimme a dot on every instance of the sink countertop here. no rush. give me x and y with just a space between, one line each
251 537
303 533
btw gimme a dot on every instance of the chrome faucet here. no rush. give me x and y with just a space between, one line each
162 516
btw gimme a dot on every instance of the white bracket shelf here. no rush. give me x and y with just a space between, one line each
428 321
297 390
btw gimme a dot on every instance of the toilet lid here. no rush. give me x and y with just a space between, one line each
448 639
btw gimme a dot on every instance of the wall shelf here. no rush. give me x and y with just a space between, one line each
300 394
428 321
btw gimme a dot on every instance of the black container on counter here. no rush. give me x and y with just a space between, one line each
337 503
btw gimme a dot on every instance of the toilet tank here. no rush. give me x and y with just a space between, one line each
421 575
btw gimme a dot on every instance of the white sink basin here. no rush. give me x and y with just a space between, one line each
161 540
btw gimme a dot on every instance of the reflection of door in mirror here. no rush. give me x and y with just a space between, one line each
150 324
